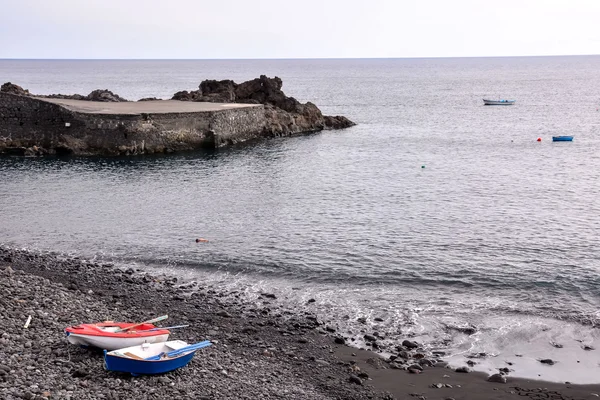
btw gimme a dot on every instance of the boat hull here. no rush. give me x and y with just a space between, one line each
143 367
109 335
134 360
498 102
562 138
112 343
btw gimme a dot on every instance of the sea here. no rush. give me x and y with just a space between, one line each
433 218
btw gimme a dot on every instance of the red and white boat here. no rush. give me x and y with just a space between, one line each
115 335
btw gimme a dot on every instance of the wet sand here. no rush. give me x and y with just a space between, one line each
473 385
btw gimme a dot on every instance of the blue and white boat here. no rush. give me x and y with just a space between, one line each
152 358
562 138
498 102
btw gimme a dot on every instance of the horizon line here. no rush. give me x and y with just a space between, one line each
291 58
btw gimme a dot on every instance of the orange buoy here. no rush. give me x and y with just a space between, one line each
539 139
200 240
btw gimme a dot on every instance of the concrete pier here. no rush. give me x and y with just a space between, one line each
218 114
30 125
143 107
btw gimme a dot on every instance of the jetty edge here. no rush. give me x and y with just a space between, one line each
218 114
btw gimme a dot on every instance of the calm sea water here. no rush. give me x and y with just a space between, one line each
434 211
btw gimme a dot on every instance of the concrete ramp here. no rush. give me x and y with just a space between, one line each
143 107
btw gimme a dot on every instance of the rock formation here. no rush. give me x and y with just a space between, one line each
33 125
14 89
285 115
104 95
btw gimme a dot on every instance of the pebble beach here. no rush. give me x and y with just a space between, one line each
260 351
254 356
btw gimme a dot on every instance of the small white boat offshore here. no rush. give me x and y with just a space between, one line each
501 102
151 359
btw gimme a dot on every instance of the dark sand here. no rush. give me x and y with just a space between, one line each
473 385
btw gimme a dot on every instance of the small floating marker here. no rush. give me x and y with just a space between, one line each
201 240
422 166
67 124
539 139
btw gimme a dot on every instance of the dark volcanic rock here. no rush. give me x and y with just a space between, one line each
265 90
416 366
425 362
80 373
409 344
218 91
14 89
497 378
339 340
104 95
339 122
285 115
184 95
65 96
369 338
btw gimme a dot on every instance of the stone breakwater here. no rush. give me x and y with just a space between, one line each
260 351
218 114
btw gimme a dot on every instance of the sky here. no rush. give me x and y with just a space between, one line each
233 29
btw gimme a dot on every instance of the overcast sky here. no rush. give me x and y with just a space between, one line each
297 29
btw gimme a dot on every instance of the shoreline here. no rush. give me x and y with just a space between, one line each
261 348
